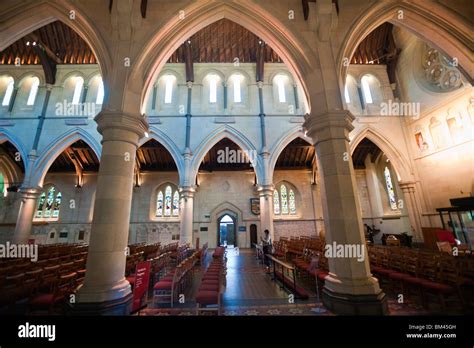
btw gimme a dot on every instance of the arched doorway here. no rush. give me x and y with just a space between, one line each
226 234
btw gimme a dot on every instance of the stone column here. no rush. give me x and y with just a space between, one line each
24 223
349 287
265 193
105 289
408 189
186 214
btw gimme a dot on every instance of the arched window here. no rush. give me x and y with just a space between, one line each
213 89
276 203
169 83
280 81
3 191
8 92
366 90
391 193
33 91
77 90
49 204
99 100
346 94
284 200
167 202
237 79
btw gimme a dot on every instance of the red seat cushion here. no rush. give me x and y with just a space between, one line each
414 280
398 276
210 281
163 285
131 279
385 271
207 297
43 300
439 287
209 287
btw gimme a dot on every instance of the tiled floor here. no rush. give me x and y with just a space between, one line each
251 291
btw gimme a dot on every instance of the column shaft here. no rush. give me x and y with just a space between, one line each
24 223
186 215
266 209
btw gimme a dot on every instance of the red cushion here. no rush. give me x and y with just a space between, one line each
207 297
439 287
322 275
414 280
131 280
42 300
162 285
210 281
398 276
385 271
446 236
209 287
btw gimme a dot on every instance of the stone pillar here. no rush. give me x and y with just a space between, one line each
265 193
105 289
24 222
349 288
408 189
186 214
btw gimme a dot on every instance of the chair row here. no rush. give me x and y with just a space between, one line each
208 298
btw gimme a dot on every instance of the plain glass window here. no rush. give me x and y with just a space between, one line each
213 89
281 89
169 82
100 93
237 89
77 90
366 90
33 91
8 92
346 95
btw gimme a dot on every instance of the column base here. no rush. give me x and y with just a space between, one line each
121 306
347 304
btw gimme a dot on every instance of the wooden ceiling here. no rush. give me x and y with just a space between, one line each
298 154
364 148
11 151
377 48
152 156
57 39
222 42
211 161
78 153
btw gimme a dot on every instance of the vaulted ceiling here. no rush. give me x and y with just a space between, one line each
60 42
12 153
364 148
222 42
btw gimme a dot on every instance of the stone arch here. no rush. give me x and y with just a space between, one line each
401 165
161 137
58 145
280 145
213 138
432 22
5 135
288 44
34 15
225 208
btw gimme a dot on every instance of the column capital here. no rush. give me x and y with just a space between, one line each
335 124
119 126
189 84
31 192
260 84
407 186
187 191
265 190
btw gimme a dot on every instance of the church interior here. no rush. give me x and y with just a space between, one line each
236 158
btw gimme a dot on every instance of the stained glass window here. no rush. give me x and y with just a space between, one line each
159 204
49 204
176 203
57 205
292 202
168 201
276 203
39 210
284 199
2 185
391 194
